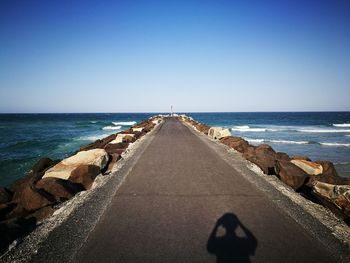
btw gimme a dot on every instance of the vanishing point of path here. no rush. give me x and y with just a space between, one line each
182 203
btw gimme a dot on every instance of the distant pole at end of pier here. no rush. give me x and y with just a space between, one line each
171 110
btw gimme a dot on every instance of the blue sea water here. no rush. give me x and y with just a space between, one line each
25 138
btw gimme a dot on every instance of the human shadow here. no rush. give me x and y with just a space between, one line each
230 247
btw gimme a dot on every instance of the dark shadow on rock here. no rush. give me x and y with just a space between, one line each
231 247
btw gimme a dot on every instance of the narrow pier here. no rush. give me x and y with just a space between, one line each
182 202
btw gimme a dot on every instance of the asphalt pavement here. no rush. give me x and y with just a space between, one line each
181 202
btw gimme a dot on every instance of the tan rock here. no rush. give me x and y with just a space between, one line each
121 136
63 169
137 129
332 191
309 167
301 157
218 132
156 121
339 195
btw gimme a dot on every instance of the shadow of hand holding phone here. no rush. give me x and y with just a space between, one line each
230 247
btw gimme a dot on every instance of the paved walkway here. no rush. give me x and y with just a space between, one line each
182 203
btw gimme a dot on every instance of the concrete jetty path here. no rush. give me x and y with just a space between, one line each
182 202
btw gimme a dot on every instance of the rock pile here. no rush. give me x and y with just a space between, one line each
200 127
317 181
218 133
34 197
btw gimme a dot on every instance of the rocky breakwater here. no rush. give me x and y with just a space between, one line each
35 197
317 180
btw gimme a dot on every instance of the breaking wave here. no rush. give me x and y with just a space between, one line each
245 128
92 137
335 144
342 125
322 130
276 141
112 128
331 144
124 123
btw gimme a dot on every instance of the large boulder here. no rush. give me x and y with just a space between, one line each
98 144
156 120
28 180
94 145
85 175
127 131
43 164
114 158
61 189
264 149
129 139
13 229
41 214
123 137
301 157
290 174
10 231
31 198
202 128
218 132
63 169
16 211
339 195
5 195
329 175
118 148
263 156
5 209
34 175
140 129
249 151
148 127
282 156
236 143
309 167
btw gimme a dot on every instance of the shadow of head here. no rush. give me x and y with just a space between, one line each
229 221
231 247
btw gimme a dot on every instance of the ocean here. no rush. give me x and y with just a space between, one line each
25 138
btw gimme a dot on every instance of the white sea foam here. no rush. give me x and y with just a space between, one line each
336 144
93 121
112 128
341 125
275 141
248 129
254 140
93 137
342 163
289 142
124 123
322 130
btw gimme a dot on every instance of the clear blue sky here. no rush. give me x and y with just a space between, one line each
141 56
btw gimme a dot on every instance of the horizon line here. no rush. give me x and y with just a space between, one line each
178 112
